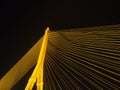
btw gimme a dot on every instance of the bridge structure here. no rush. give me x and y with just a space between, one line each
74 59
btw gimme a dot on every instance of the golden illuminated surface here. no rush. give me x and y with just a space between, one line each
21 67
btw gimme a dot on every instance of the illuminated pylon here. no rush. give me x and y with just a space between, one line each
86 58
37 75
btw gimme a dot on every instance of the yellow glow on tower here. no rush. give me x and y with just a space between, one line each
37 75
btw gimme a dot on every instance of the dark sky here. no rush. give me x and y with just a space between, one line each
22 23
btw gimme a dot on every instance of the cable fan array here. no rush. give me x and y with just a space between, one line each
83 59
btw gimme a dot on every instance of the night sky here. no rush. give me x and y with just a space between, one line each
22 23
